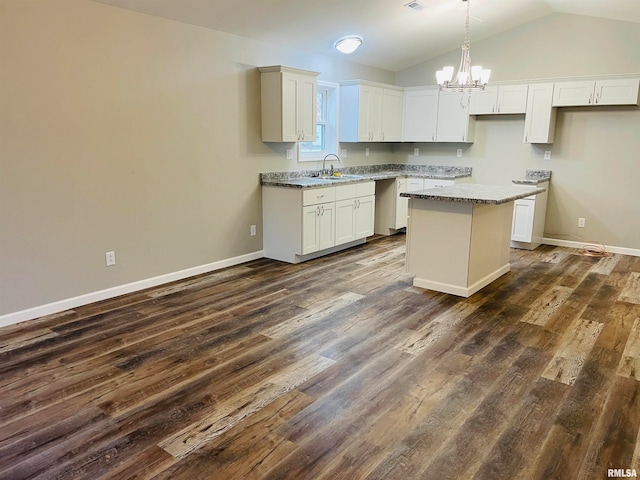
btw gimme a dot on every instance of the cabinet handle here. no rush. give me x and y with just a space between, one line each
526 137
358 203
597 98
433 137
319 196
322 210
318 211
493 109
590 98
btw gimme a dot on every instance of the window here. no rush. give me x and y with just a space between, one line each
326 125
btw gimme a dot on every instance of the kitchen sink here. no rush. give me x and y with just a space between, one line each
341 177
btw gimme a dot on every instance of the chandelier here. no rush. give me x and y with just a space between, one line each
468 77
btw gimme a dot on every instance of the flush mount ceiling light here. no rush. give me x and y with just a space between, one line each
348 44
468 77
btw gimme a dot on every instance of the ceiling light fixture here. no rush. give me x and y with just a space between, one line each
468 77
348 44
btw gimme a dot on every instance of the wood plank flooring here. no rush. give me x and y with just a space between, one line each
337 368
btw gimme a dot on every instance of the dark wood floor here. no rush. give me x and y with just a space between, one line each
334 369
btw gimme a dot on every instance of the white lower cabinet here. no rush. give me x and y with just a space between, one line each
318 227
300 224
355 211
522 229
529 215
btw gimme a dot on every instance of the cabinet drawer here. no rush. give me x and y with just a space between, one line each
437 183
366 188
313 196
344 192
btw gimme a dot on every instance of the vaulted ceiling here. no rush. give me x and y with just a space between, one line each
395 36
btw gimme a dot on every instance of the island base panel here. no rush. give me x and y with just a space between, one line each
457 247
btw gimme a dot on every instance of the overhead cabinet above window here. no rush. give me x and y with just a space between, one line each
612 91
288 104
370 112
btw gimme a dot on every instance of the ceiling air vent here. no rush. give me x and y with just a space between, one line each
415 5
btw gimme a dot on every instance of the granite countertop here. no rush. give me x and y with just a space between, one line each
533 177
307 178
475 193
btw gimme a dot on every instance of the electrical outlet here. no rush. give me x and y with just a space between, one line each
459 153
581 222
252 230
366 152
343 153
547 155
110 258
289 153
416 152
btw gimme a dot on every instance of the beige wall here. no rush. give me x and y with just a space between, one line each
595 160
126 132
122 131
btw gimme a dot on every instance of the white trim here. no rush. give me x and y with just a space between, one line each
634 252
333 108
458 290
66 304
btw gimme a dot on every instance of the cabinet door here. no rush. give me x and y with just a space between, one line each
420 115
345 221
484 102
370 114
310 229
364 217
327 225
402 204
512 99
523 214
290 107
298 107
307 98
540 119
574 93
392 104
619 91
454 123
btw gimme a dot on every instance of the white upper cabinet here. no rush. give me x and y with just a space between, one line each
370 112
540 119
613 91
502 99
392 106
454 122
288 100
420 114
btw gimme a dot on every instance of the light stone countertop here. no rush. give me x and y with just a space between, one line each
304 179
475 193
533 177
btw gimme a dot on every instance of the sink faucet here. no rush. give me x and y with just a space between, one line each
324 169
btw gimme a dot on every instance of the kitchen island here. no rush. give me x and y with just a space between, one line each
458 236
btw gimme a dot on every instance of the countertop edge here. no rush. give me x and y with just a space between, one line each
440 194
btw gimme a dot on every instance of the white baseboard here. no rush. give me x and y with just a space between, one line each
634 252
66 304
459 290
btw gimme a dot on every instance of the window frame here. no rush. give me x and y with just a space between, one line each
331 124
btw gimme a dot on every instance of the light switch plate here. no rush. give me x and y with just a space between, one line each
547 155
